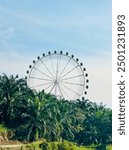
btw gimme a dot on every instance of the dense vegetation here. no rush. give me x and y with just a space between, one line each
35 115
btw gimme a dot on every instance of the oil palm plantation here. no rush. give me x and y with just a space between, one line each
33 115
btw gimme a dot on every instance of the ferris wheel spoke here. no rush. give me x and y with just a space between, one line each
64 67
47 68
73 83
40 84
42 73
71 90
48 87
40 78
59 64
55 89
69 71
60 90
65 93
72 77
52 88
57 68
52 65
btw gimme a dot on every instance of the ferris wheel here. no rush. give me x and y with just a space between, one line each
59 74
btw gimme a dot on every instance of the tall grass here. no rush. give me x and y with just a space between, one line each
5 134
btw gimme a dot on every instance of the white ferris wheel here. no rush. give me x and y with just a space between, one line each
59 74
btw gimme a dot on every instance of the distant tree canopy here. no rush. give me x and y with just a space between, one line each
35 115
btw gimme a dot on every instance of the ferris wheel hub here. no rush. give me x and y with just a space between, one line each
56 81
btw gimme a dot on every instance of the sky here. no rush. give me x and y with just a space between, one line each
29 28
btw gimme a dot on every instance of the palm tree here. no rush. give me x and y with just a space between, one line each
97 126
40 118
10 89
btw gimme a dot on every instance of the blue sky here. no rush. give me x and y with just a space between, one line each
29 28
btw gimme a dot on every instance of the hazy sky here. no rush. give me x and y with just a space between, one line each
29 28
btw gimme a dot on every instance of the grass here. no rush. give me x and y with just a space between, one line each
3 129
43 145
3 133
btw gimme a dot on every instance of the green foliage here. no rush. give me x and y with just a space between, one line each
65 145
109 147
97 126
101 147
11 90
33 145
3 129
36 115
5 134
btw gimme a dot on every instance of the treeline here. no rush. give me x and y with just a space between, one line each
35 115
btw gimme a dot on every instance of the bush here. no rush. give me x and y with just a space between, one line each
103 147
5 134
65 145
109 147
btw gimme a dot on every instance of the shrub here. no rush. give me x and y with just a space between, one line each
65 145
5 133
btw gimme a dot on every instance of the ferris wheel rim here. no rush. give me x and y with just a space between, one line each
85 86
